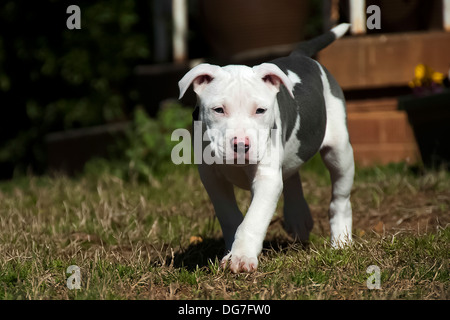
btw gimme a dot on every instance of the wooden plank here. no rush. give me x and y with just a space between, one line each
380 127
370 105
380 137
375 61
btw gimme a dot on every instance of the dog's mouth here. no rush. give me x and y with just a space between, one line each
238 158
239 153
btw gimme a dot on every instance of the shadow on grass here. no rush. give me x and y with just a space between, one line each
199 254
206 252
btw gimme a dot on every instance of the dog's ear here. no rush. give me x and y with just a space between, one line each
200 76
274 77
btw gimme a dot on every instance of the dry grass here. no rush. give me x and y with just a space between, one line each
139 241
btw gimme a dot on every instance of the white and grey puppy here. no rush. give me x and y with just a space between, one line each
263 123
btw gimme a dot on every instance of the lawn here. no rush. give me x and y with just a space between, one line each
160 240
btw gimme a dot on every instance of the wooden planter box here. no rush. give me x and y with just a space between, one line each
430 119
68 151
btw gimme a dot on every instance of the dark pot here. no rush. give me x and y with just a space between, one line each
430 119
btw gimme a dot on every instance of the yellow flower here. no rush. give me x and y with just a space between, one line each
424 76
437 77
420 71
414 83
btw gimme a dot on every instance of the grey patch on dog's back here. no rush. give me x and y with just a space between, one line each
309 103
288 113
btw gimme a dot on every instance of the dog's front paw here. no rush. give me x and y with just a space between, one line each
239 263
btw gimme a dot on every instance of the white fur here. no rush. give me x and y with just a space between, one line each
294 77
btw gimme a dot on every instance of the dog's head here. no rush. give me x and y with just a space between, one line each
238 105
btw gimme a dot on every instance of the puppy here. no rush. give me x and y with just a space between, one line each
261 124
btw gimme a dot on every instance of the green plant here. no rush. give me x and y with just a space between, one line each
149 140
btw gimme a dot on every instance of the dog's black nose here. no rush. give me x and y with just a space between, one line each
240 147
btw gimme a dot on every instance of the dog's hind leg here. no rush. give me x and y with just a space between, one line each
297 216
339 161
337 154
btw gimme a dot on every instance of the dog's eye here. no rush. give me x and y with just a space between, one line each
219 110
260 111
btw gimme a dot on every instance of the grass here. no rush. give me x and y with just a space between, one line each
139 241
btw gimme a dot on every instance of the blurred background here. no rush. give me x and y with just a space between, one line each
108 91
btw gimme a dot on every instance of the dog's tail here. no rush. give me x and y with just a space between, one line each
311 47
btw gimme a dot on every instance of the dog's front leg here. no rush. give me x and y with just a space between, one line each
249 237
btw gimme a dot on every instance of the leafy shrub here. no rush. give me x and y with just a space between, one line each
53 78
145 153
150 144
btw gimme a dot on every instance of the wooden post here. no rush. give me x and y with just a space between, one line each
180 17
446 15
358 16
